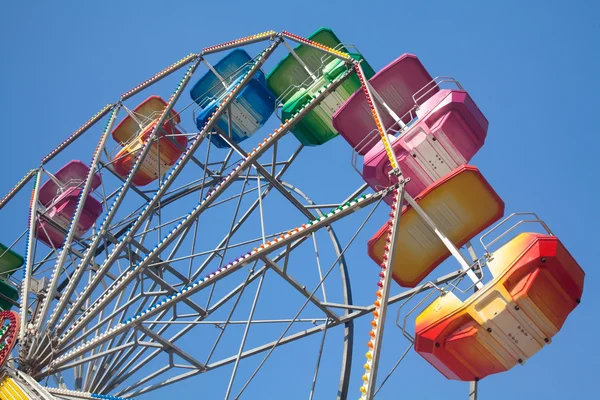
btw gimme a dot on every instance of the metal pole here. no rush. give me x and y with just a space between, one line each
30 257
473 390
320 356
472 385
370 377
464 264
325 49
157 77
377 117
241 349
384 104
259 37
260 209
214 71
99 115
293 53
17 187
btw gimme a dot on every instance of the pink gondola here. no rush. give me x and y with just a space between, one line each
397 84
449 130
58 198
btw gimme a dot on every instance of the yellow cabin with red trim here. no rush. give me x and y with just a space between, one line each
462 204
536 284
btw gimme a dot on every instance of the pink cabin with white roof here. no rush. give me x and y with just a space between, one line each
397 84
58 198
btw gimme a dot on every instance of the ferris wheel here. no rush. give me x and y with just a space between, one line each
166 240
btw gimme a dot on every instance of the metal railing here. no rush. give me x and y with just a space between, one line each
522 221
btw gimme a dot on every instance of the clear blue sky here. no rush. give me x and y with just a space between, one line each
531 66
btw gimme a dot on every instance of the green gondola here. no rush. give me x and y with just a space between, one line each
295 87
9 263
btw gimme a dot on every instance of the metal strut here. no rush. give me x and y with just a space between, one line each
382 294
25 285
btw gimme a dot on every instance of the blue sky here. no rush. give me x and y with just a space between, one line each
530 66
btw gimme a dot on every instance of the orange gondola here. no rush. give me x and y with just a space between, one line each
133 131
536 284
